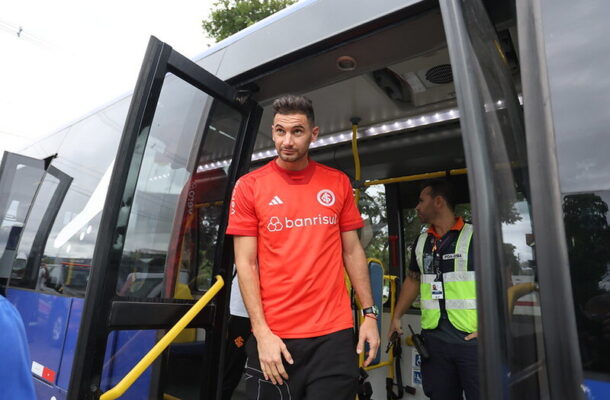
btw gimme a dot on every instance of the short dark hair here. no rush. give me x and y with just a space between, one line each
292 104
443 188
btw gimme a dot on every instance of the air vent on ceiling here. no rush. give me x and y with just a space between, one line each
441 74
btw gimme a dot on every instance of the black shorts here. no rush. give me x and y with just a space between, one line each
235 357
325 367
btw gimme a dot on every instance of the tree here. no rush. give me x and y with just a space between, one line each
372 207
588 236
231 16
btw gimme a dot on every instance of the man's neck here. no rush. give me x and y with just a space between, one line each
444 223
297 165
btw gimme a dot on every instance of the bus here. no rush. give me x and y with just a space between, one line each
112 228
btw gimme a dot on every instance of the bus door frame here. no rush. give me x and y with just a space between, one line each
102 312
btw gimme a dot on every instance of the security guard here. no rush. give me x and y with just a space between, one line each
441 270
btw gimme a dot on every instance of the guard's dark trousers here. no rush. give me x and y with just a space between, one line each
450 370
325 367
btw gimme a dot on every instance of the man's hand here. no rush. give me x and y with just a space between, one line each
370 334
473 335
270 350
395 327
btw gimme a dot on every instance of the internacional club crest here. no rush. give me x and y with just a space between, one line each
274 225
326 197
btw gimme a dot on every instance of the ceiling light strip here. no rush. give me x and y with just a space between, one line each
409 123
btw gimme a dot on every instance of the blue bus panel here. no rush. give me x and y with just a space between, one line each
51 325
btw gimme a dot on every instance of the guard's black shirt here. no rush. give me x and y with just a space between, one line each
444 245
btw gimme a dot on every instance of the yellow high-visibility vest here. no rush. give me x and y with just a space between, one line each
459 286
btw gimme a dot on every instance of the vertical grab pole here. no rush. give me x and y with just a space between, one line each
357 176
355 120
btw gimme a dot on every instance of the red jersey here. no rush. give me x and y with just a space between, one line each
298 217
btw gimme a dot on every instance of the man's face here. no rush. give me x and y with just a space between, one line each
426 210
292 135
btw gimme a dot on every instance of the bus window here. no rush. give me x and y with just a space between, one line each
88 160
202 208
587 224
373 210
163 175
19 181
21 275
30 269
580 120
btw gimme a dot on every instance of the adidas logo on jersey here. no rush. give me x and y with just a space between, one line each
276 201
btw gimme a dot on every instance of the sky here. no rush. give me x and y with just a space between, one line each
73 56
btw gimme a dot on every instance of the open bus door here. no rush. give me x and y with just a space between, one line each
182 123
512 182
20 177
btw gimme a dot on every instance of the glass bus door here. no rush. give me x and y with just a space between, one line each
161 242
20 177
521 354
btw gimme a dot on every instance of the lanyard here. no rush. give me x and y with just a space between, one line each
436 258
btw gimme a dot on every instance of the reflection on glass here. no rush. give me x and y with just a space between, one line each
21 275
18 185
374 235
203 212
209 220
576 46
173 226
587 224
86 154
163 174
30 270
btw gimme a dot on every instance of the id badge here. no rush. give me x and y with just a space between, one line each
437 291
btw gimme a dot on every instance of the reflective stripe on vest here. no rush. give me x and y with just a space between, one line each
459 287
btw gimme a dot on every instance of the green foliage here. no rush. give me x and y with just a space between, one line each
231 16
588 236
372 207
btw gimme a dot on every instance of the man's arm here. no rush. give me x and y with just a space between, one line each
270 347
357 269
408 293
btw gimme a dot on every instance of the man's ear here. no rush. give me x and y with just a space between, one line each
314 133
438 201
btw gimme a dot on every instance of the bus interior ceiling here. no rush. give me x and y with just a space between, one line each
401 88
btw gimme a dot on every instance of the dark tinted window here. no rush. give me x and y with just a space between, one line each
587 225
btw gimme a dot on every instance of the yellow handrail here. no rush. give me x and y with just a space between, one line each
162 344
390 361
418 177
517 291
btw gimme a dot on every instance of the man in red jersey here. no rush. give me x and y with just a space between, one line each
294 223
